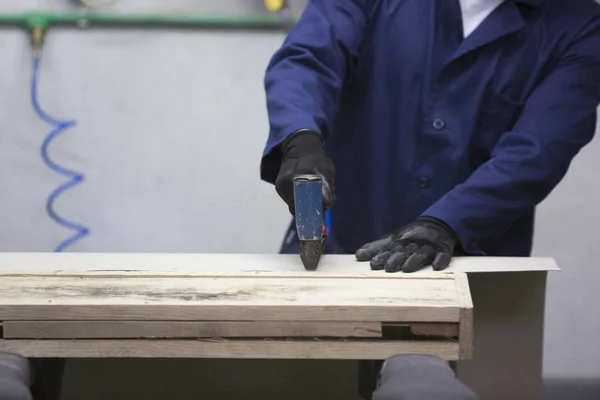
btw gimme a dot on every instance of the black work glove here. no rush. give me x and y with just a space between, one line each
423 242
303 153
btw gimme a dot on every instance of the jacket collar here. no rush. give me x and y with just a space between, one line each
506 19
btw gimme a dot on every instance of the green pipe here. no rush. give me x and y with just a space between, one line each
44 20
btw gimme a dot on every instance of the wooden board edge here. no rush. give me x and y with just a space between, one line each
341 264
213 274
465 327
149 312
186 329
263 349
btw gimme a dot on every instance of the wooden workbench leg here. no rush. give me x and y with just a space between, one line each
48 376
508 336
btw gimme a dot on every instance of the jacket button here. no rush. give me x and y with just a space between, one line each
438 124
423 182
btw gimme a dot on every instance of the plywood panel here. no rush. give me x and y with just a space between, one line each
225 263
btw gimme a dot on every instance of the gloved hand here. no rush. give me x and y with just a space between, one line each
423 242
303 153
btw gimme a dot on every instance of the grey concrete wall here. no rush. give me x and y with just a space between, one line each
568 229
170 130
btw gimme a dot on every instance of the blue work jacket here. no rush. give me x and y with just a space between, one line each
418 121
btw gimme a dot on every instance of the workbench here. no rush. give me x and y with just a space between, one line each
76 305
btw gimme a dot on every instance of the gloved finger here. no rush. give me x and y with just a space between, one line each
441 261
284 184
378 262
370 250
328 194
395 261
407 247
419 259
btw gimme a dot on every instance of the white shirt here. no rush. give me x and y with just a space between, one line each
475 11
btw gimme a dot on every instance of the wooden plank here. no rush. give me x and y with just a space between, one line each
184 329
228 299
226 313
285 349
465 335
223 263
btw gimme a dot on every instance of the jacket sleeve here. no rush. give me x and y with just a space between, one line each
558 119
305 77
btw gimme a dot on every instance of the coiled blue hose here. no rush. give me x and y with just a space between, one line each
75 177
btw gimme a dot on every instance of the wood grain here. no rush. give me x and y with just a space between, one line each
228 298
184 329
339 350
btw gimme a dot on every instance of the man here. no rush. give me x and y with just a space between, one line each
14 377
34 379
420 377
447 121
